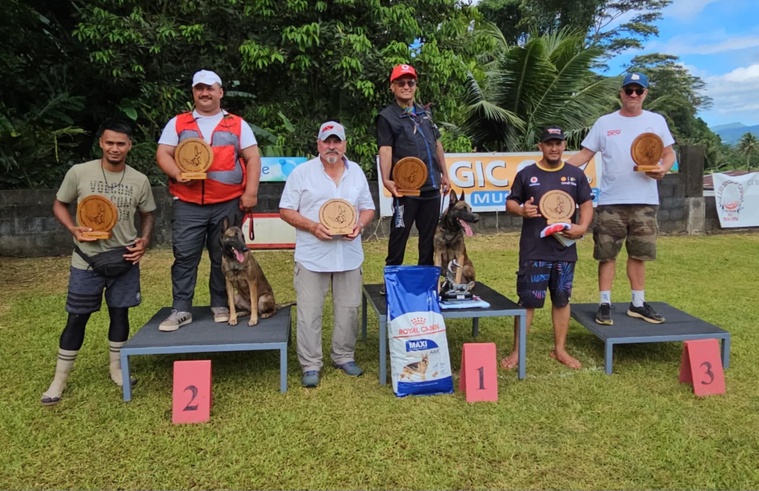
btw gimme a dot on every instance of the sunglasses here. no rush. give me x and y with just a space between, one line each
403 83
638 91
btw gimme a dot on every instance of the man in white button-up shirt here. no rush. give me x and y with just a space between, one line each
321 258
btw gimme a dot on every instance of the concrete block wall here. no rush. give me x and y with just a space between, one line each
28 228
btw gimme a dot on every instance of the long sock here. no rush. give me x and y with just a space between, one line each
114 355
606 296
638 297
63 367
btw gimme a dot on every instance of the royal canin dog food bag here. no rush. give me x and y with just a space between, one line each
419 360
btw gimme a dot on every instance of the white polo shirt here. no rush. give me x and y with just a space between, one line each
307 188
206 125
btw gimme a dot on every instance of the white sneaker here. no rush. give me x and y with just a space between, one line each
176 320
220 314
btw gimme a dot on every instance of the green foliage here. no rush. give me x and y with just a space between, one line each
748 146
527 87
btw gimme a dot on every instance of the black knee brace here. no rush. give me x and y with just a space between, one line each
119 329
72 336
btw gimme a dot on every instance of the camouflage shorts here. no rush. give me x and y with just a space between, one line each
635 225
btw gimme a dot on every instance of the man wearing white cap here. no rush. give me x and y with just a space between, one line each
628 200
200 206
321 258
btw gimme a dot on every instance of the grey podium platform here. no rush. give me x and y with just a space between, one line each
500 306
203 335
679 326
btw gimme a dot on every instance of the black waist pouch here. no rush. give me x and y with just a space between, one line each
109 263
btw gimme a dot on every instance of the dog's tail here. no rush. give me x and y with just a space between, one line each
285 305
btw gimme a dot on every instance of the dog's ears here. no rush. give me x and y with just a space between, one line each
225 224
462 195
452 198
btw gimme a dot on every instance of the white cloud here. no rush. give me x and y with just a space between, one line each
697 45
687 9
734 95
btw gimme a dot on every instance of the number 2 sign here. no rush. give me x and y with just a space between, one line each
191 398
701 366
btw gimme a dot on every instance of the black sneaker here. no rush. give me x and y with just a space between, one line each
647 313
603 316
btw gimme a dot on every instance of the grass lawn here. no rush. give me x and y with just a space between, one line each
558 429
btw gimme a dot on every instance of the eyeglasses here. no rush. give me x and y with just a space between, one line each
403 83
638 91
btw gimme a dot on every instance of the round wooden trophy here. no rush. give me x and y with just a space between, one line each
193 157
98 213
338 216
409 175
557 207
646 151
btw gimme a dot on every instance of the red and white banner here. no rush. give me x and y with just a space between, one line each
737 200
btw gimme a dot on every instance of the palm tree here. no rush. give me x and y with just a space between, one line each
546 81
748 146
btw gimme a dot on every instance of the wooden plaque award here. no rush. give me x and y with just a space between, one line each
338 216
557 206
646 151
409 175
193 156
98 213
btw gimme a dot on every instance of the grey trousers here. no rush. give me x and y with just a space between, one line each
192 227
311 289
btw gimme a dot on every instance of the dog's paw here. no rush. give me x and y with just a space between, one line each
232 320
265 315
252 322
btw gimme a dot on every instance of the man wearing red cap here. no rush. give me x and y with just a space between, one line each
406 129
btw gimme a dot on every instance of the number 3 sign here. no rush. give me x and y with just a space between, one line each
701 366
191 399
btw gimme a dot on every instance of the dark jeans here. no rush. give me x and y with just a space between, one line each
193 226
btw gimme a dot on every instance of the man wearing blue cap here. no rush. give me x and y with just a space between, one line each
628 200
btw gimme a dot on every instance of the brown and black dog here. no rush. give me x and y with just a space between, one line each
243 274
449 238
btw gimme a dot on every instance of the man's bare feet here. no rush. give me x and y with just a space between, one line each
511 361
567 360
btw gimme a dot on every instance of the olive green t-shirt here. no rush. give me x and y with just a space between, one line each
129 190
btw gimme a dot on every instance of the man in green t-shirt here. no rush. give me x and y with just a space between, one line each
129 190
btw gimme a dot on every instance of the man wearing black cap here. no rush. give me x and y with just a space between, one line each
628 200
545 262
405 129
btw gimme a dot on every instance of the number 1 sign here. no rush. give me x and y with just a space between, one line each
701 366
479 376
191 399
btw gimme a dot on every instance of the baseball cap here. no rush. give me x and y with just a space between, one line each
552 133
331 128
206 77
401 70
635 78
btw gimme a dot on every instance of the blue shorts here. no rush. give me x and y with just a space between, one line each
86 290
534 277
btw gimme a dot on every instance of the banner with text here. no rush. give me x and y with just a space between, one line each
737 199
276 169
486 178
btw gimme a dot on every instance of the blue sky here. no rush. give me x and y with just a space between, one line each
718 41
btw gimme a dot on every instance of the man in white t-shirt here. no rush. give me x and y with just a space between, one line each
200 206
628 200
320 258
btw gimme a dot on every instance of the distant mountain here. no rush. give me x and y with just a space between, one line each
732 133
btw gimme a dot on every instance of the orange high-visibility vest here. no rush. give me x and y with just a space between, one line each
227 174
